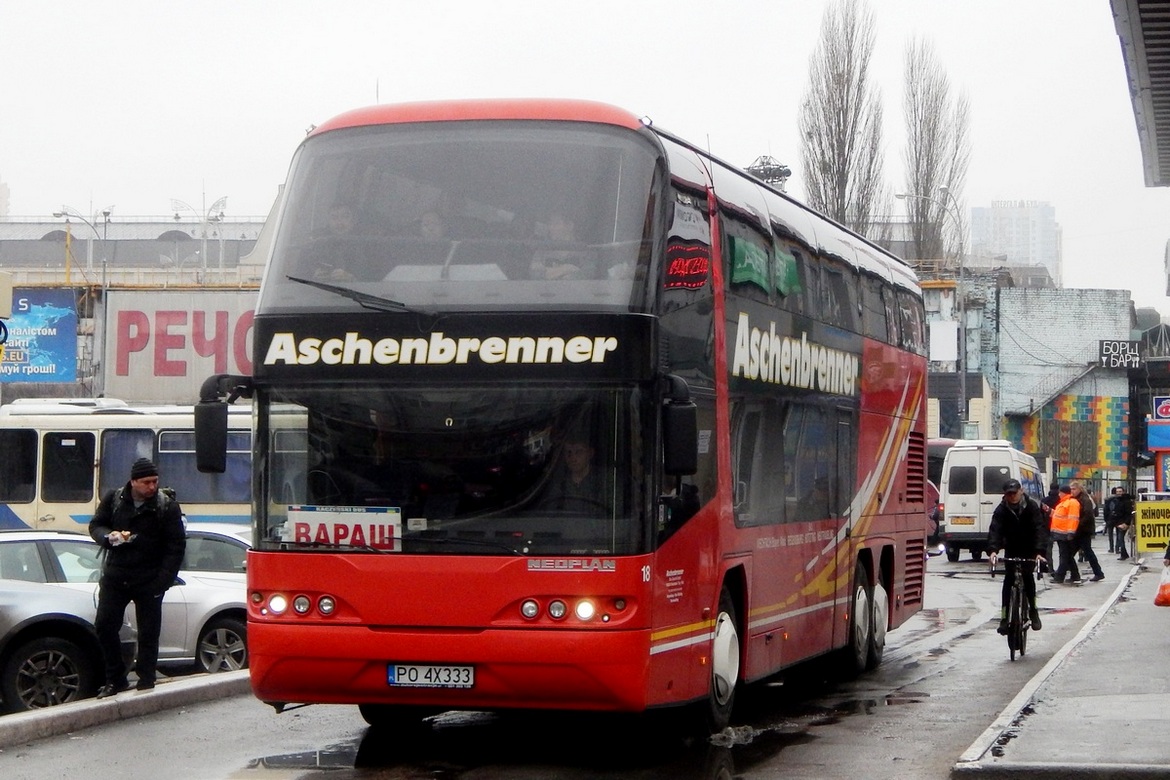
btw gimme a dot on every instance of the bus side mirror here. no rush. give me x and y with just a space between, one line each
211 427
680 439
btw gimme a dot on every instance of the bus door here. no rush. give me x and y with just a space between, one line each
66 496
758 468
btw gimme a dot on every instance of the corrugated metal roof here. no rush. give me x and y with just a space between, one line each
1144 29
134 228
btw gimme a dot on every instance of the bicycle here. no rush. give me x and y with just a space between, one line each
1018 619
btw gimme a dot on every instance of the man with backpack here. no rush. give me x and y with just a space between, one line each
143 539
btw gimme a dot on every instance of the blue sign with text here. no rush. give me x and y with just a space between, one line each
42 337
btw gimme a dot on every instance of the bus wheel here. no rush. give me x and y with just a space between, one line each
880 619
856 653
724 665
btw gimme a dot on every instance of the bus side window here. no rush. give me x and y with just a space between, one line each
759 458
120 448
911 317
18 466
67 467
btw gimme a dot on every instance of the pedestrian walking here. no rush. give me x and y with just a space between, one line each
1049 503
1086 529
142 537
1065 519
1118 517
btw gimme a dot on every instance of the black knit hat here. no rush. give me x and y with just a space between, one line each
143 467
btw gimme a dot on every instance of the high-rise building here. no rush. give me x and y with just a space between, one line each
1024 232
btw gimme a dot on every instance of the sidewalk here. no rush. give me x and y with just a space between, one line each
1099 708
21 727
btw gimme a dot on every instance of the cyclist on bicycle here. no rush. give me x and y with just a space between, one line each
1019 529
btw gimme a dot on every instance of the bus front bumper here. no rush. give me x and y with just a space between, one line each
541 669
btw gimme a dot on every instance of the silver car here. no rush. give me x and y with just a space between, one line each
204 617
49 652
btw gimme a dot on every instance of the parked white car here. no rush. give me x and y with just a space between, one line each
204 617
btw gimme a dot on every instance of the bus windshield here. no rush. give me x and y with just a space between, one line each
476 215
512 470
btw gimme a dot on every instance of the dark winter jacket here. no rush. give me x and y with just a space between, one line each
1119 509
1020 530
1088 524
150 560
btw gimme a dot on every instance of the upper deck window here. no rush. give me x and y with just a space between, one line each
468 215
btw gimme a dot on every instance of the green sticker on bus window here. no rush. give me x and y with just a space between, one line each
749 263
787 274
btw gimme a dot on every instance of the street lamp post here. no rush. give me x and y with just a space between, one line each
66 212
961 363
206 217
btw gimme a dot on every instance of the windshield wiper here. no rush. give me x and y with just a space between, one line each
424 537
333 546
375 302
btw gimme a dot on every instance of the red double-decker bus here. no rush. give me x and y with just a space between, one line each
555 410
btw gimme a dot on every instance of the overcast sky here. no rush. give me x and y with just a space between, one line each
131 104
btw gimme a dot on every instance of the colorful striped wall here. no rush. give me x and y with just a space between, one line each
1085 433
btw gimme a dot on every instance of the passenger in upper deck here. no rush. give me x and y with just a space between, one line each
560 262
431 226
336 265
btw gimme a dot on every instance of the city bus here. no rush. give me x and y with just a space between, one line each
555 410
61 455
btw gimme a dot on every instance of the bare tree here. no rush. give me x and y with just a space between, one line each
841 120
938 152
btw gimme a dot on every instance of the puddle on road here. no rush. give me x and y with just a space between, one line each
1062 610
532 744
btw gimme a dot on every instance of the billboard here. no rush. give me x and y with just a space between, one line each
160 346
42 336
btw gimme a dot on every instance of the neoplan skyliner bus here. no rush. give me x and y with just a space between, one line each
554 410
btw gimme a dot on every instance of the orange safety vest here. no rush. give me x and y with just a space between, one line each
1065 518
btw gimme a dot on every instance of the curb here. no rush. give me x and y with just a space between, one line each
21 727
972 761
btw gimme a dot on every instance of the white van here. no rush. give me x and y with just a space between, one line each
973 475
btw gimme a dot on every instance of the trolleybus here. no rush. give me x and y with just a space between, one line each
59 456
555 410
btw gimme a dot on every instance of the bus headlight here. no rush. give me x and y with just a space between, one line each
557 609
529 609
585 610
277 604
326 605
301 604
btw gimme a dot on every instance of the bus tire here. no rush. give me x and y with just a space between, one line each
855 655
879 620
725 665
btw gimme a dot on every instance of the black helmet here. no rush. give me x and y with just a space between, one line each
1011 486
